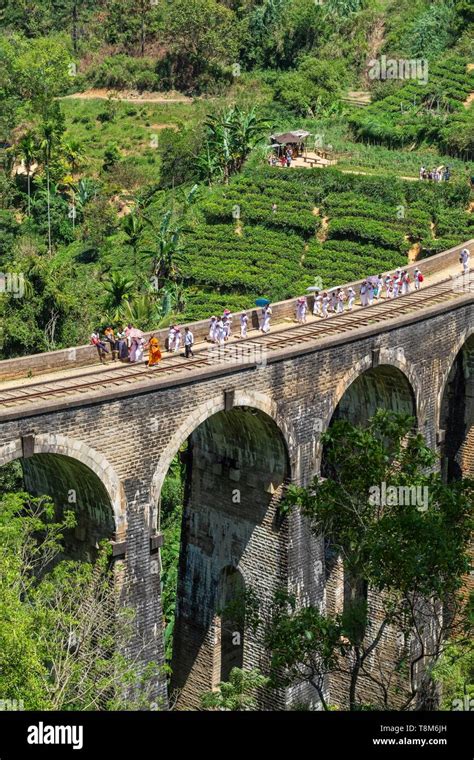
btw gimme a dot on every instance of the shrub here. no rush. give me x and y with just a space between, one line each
125 72
312 87
378 233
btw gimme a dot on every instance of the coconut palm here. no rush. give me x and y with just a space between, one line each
119 289
28 149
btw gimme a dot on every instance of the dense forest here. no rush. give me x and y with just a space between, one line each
110 205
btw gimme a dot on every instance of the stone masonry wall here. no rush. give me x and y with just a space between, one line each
129 442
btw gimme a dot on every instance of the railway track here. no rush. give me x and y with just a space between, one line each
123 375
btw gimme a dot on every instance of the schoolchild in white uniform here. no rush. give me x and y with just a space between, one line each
325 304
352 295
212 329
266 316
301 306
171 338
177 340
341 297
317 304
370 293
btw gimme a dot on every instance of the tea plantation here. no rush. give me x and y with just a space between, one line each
272 231
434 112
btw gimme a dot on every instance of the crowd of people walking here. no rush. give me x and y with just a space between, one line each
439 174
371 289
130 344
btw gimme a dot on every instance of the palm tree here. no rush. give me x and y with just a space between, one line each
134 226
119 289
74 154
146 311
48 134
231 138
177 296
28 148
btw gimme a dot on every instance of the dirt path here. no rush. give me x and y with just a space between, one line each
130 96
400 176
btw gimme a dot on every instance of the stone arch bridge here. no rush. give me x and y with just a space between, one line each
253 418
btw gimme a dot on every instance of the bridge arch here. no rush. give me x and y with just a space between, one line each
64 446
365 364
403 375
242 398
444 376
455 410
234 474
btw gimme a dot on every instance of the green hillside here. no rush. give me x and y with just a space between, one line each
431 112
326 223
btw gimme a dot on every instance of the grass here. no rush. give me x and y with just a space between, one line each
132 128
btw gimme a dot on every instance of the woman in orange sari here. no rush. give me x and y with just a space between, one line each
154 353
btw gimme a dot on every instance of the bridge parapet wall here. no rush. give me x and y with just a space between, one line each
79 356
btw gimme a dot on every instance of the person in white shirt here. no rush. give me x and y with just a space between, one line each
352 294
227 319
226 324
405 283
177 339
325 303
341 297
188 342
139 350
212 329
370 293
171 338
301 306
317 304
464 258
363 293
220 332
379 286
266 316
418 278
243 324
